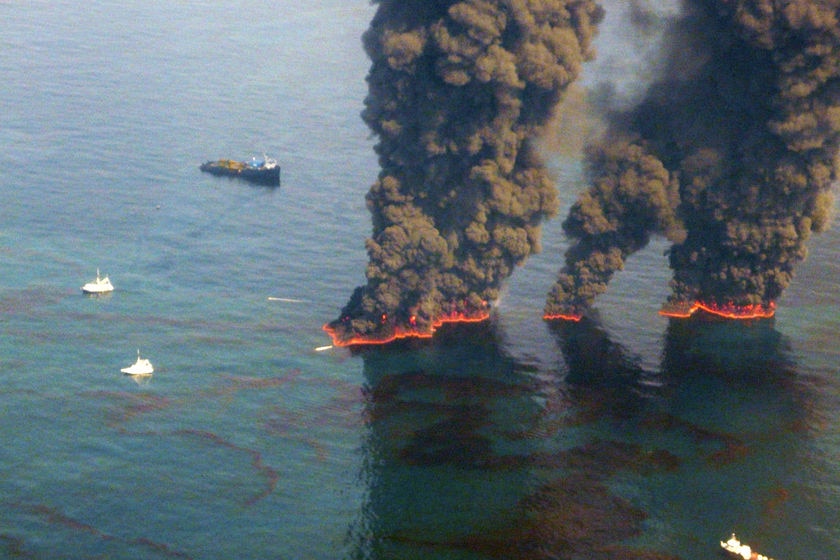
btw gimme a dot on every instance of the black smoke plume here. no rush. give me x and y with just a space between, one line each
458 92
730 154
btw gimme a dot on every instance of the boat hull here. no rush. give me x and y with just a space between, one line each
129 371
91 289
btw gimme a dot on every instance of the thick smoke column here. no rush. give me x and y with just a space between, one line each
731 155
458 91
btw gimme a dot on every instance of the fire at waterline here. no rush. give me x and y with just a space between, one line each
730 155
458 94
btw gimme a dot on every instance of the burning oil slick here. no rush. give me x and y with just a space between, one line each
458 93
730 154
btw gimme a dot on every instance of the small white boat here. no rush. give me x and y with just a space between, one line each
101 285
141 367
737 549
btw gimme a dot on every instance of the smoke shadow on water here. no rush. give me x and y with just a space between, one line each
729 403
471 454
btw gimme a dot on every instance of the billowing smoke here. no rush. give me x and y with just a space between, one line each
458 93
730 154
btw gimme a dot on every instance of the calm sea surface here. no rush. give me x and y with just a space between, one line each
621 437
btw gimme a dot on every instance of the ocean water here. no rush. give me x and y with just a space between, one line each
625 436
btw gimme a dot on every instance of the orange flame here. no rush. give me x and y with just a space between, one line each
406 332
727 311
562 317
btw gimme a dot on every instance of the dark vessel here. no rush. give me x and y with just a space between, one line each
263 171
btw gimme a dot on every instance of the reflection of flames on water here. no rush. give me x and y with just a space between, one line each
562 317
413 330
683 310
677 310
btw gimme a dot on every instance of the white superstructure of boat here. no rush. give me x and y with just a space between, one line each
101 285
141 367
737 549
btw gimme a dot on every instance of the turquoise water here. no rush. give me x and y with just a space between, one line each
624 437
